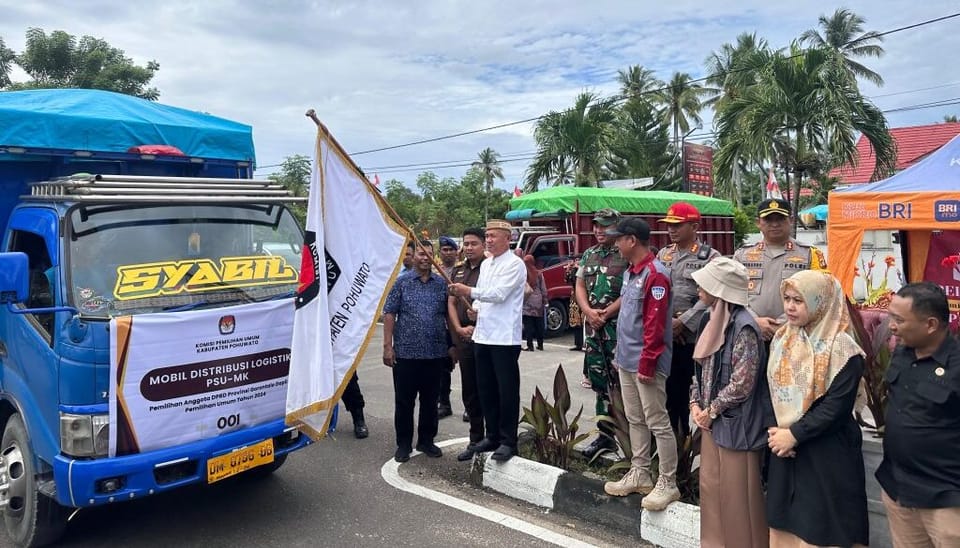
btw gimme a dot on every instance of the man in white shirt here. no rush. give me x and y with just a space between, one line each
498 302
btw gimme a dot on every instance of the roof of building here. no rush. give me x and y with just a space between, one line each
913 144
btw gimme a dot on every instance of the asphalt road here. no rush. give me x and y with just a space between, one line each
333 493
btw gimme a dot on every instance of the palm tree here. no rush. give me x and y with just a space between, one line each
641 143
843 34
638 83
734 66
801 109
680 101
489 164
7 57
578 138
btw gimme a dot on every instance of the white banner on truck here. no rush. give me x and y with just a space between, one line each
179 377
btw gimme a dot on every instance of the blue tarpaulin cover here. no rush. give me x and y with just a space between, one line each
819 212
103 121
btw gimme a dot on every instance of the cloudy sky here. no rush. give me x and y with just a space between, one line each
387 73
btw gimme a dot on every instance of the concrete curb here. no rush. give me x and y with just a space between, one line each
581 496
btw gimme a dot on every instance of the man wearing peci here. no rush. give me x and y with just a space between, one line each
498 304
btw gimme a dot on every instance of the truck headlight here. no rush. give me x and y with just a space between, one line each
84 435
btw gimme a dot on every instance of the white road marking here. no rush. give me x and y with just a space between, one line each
390 471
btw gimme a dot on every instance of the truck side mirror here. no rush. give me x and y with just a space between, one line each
14 277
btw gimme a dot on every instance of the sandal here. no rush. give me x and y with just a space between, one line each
586 383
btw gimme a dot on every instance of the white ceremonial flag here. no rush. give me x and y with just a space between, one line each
356 248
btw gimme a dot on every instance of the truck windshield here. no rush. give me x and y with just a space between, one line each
148 258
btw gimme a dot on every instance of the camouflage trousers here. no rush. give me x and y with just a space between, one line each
598 362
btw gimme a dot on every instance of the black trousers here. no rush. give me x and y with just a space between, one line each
498 381
352 397
471 396
410 379
678 388
445 381
533 329
578 338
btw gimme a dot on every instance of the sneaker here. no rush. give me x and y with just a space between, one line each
634 481
662 495
430 450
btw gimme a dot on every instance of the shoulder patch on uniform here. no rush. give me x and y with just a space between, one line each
658 292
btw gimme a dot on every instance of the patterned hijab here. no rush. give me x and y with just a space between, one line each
805 360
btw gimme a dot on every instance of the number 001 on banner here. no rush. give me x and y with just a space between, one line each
238 461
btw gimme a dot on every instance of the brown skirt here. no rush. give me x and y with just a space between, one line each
732 511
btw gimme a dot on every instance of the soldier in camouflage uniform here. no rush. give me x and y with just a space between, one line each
599 279
683 257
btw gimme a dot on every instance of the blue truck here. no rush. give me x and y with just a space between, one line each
92 182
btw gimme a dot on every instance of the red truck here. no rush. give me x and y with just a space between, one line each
556 226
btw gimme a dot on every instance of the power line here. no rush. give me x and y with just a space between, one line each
705 135
618 98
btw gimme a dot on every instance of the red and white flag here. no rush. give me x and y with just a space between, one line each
351 254
773 189
516 191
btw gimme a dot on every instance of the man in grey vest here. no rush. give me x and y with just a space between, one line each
642 357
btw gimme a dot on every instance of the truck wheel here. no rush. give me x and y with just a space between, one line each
556 318
31 518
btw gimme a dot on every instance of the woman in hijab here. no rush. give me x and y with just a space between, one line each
534 302
815 488
730 402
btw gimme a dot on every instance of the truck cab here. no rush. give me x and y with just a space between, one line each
110 231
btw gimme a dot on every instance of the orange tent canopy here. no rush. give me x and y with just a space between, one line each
919 200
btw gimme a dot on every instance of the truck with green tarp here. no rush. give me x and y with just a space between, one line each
555 226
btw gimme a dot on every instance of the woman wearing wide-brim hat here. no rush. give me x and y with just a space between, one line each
730 402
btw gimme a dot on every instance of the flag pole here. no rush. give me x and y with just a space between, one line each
312 114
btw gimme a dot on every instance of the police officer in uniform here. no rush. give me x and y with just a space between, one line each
599 279
684 256
773 259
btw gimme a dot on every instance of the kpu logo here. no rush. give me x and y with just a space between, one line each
227 325
309 287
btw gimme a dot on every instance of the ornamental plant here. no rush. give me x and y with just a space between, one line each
877 297
872 330
554 437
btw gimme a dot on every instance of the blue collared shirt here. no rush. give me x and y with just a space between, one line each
420 307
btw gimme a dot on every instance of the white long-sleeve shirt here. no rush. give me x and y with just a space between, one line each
498 300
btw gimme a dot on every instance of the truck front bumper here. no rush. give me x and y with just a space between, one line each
91 482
